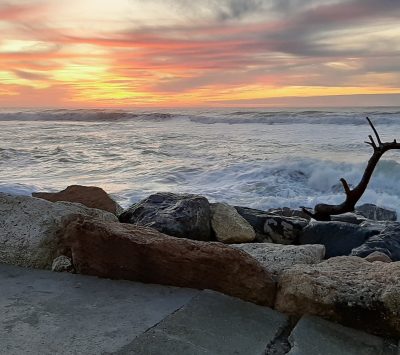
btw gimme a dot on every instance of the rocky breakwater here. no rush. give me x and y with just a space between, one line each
183 240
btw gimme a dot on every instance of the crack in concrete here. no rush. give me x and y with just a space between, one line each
281 345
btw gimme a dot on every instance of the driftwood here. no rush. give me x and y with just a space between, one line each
322 212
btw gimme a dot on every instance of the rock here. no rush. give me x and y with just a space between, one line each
349 217
313 335
284 230
376 213
378 256
183 216
90 196
346 289
229 226
256 218
339 238
62 263
387 242
277 257
289 212
131 252
31 228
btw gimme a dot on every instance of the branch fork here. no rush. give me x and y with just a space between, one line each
323 212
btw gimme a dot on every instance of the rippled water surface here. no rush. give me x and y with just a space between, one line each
259 158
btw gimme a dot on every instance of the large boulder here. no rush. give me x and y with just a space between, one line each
229 226
349 290
31 229
131 252
276 257
178 215
90 196
284 230
339 238
387 242
376 213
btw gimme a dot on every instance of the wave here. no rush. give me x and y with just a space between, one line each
283 117
263 185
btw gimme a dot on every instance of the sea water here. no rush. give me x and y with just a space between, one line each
261 158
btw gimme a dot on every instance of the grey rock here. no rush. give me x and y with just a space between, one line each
284 230
229 226
376 213
178 215
289 212
212 323
339 238
349 217
256 218
277 257
387 242
62 263
346 289
31 229
378 256
315 336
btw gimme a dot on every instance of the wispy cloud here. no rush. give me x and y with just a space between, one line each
178 51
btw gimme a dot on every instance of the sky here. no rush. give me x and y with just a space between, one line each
209 53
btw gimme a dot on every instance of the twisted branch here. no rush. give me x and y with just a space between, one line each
322 212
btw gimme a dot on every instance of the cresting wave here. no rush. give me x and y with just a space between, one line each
263 185
278 117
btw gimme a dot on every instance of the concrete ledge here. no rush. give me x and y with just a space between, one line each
43 312
314 336
212 323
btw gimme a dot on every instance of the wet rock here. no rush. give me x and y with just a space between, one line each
62 263
277 257
31 229
349 217
347 289
378 256
229 226
376 213
289 212
90 196
284 230
386 242
131 252
178 215
339 238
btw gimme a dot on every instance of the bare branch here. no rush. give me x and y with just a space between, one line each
372 141
376 133
345 186
322 212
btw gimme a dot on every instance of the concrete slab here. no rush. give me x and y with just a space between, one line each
315 336
212 323
43 312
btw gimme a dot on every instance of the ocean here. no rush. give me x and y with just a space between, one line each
261 158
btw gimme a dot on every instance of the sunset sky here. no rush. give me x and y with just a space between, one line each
214 53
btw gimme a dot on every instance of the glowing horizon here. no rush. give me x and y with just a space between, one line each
165 53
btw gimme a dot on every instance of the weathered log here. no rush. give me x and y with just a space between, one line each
322 212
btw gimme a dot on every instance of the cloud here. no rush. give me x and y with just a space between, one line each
221 44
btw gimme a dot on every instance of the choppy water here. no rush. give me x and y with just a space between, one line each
258 158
